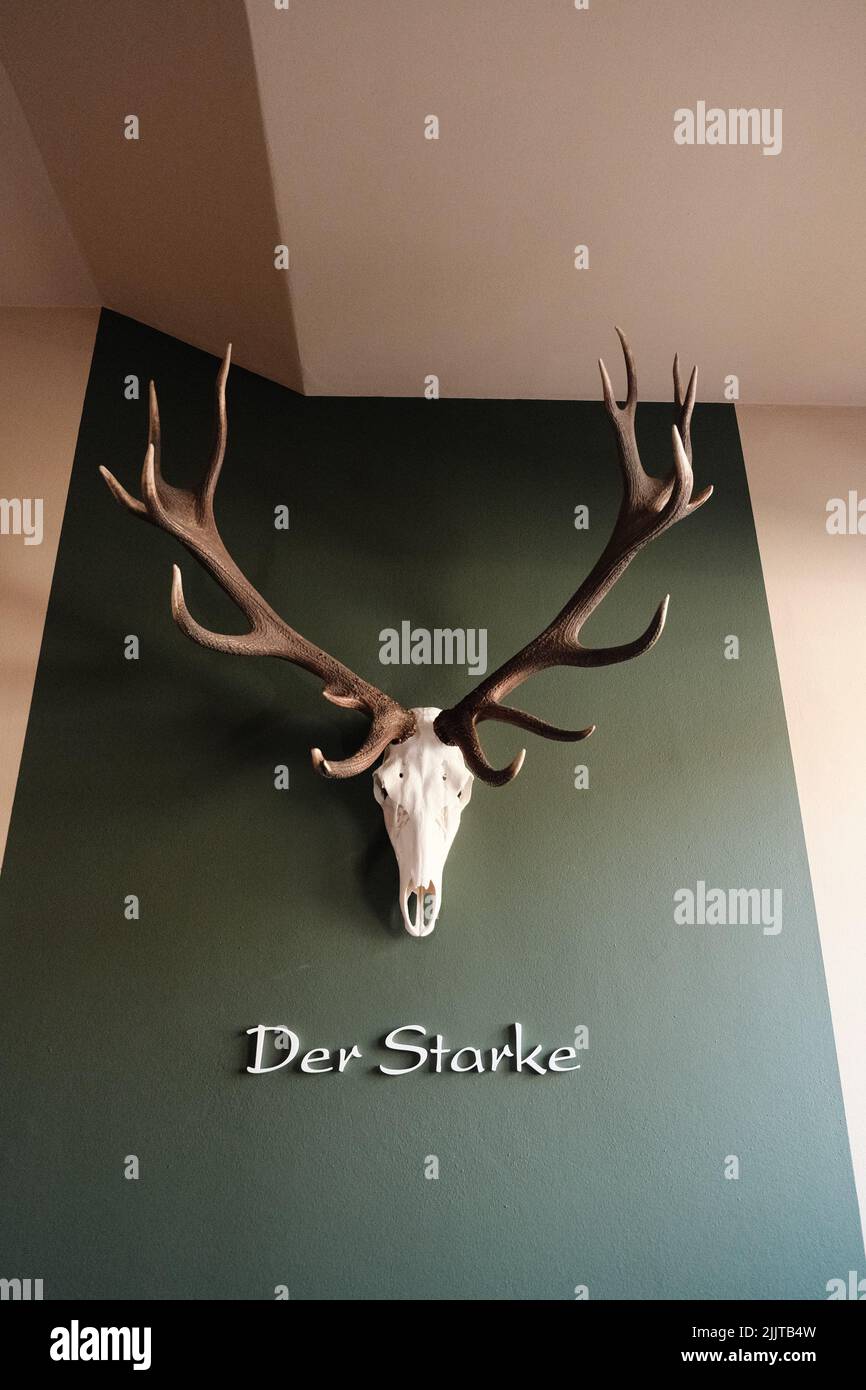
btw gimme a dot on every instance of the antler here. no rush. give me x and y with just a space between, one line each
649 506
189 517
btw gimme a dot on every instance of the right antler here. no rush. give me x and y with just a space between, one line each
189 517
649 506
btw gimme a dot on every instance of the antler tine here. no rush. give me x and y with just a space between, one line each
630 404
625 651
649 506
235 644
507 714
120 494
685 407
221 433
152 481
383 730
684 425
630 371
622 417
150 469
153 429
464 733
188 515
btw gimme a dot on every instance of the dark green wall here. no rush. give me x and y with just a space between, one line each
155 777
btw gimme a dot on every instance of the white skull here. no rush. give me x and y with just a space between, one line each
422 786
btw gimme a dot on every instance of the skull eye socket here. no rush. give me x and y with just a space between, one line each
383 790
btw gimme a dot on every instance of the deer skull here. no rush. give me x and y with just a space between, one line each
429 756
423 787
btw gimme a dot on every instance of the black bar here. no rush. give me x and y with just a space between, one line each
249 1338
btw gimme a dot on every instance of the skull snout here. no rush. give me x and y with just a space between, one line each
419 904
421 853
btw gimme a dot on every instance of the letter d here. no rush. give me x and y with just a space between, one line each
260 1030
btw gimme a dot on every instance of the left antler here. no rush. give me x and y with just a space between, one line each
649 506
189 517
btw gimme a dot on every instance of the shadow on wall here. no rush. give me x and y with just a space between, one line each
229 733
178 225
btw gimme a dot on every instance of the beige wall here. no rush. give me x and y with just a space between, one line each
40 263
44 361
797 459
179 225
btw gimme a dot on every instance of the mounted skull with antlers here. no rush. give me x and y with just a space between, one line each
431 756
